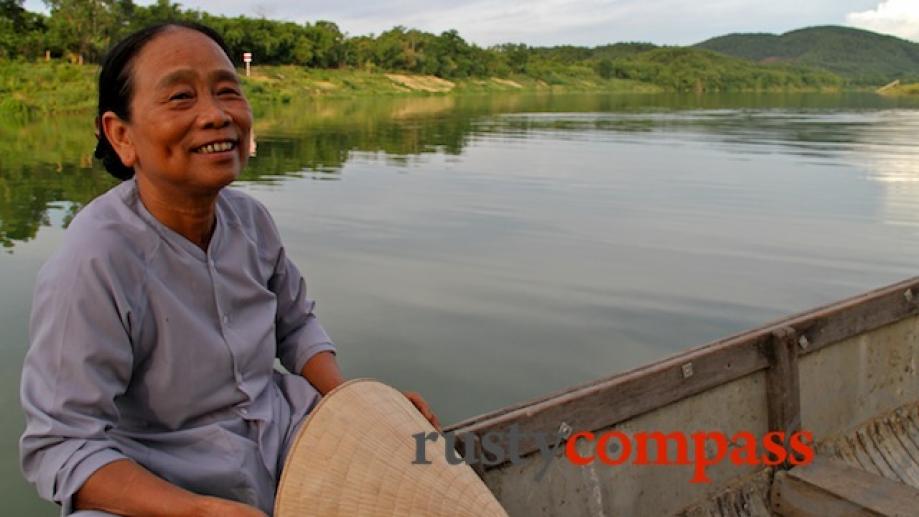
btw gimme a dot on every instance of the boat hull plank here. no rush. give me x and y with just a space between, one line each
748 497
889 440
637 490
829 487
859 378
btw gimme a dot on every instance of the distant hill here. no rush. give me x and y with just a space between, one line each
861 57
700 70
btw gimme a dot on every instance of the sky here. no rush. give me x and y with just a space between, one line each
579 22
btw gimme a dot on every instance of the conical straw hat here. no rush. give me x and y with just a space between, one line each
353 458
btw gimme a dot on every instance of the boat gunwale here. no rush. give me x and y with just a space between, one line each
604 402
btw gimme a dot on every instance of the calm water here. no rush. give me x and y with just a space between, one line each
488 250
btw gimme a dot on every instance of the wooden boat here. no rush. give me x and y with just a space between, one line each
845 372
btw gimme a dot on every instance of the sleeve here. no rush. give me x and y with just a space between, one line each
79 360
297 329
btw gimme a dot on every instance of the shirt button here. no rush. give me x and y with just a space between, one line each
244 411
226 319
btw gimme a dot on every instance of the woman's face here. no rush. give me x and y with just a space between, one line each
186 97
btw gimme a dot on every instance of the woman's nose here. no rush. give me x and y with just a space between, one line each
213 114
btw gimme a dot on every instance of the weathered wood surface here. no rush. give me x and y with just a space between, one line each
747 497
783 393
829 487
859 379
887 446
634 393
603 403
637 490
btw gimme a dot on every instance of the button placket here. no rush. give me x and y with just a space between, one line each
225 318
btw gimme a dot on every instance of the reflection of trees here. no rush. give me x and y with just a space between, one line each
44 164
49 162
320 135
28 192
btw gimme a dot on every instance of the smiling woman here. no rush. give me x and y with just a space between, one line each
187 98
149 386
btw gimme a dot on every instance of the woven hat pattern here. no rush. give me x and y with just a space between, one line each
353 457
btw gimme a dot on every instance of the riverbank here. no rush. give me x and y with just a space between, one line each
33 89
286 83
911 89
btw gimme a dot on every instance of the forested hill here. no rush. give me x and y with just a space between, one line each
861 57
80 31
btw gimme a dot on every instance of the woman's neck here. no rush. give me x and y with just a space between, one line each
191 216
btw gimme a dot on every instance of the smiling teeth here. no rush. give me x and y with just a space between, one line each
216 148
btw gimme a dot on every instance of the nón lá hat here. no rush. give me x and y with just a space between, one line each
353 457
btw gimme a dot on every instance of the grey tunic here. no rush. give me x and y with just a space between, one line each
145 347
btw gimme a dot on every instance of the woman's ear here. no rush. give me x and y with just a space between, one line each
119 135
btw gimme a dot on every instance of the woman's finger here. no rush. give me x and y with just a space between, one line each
423 408
420 404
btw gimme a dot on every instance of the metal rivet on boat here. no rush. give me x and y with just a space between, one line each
687 370
803 342
910 297
564 430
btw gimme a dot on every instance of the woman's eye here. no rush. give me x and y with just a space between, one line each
228 90
180 96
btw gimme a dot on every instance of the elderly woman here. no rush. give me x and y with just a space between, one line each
149 387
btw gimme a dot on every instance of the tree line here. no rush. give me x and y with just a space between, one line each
82 30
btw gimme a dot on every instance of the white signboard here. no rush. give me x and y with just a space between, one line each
247 58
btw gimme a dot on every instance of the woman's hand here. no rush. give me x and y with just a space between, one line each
217 507
423 406
123 487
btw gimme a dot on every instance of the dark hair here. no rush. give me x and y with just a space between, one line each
116 86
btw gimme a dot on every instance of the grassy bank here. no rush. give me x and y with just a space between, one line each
285 83
911 89
28 89
35 89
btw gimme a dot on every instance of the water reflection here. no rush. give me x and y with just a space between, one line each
49 161
888 153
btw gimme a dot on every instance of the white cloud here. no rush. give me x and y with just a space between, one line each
550 22
593 22
897 17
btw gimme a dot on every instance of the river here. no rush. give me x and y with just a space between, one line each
488 250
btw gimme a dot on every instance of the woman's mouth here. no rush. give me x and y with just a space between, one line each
216 149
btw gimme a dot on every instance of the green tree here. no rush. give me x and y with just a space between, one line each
22 33
515 55
327 41
12 12
82 27
605 68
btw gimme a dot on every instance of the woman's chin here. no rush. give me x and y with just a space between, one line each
218 175
223 177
